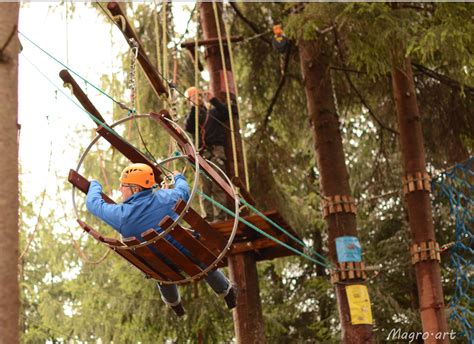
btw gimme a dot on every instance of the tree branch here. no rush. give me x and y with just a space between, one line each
359 95
278 90
249 22
442 78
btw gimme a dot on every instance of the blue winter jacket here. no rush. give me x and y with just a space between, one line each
141 211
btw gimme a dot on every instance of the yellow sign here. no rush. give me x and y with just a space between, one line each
359 304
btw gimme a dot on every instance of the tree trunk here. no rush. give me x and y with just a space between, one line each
428 275
248 318
315 59
9 290
217 85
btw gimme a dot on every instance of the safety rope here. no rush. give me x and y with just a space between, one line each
231 57
164 13
227 91
157 37
196 84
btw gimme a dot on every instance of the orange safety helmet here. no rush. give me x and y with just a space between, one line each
138 174
191 92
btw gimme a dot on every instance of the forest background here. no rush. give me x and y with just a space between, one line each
72 290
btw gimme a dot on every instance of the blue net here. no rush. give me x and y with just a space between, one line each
456 185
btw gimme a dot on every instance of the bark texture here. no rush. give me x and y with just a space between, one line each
248 318
315 57
428 274
9 290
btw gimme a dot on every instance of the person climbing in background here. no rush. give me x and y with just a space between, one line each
143 209
212 141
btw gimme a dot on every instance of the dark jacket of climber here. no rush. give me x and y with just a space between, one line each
212 127
143 209
211 131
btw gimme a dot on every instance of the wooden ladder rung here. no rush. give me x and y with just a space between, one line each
212 239
151 259
197 249
172 253
134 260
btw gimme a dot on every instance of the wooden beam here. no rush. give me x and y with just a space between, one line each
129 151
210 41
80 95
149 70
83 184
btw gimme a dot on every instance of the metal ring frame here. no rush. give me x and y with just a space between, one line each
188 204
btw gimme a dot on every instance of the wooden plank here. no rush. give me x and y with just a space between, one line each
257 244
197 249
83 184
80 95
338 203
423 251
130 152
177 257
160 117
152 260
129 33
126 254
426 181
135 260
419 181
210 41
214 240
350 273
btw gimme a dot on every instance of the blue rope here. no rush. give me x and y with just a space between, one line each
456 185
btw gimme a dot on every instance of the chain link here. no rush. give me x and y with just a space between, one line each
132 77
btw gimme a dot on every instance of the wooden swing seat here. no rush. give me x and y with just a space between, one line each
171 264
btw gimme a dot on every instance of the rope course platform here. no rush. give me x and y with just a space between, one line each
246 239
